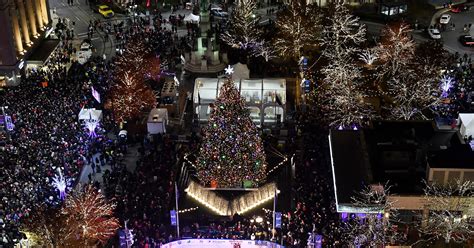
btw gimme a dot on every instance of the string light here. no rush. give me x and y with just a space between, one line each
188 210
232 151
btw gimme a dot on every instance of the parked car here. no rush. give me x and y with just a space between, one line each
460 8
434 33
445 18
466 40
85 52
103 10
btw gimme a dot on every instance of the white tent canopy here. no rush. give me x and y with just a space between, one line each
192 18
92 113
265 98
467 124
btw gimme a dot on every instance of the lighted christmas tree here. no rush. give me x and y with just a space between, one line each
231 151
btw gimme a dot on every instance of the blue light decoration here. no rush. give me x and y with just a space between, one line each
344 216
60 183
91 125
307 86
447 82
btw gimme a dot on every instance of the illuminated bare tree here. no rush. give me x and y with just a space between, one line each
244 32
48 226
342 33
134 57
396 50
89 217
374 225
412 96
341 102
130 97
410 79
450 215
339 97
299 26
369 56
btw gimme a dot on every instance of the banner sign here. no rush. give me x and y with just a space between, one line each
95 94
122 239
173 218
9 123
277 219
318 241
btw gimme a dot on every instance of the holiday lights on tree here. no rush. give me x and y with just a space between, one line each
339 98
411 82
412 96
341 33
396 50
89 216
244 32
298 27
231 150
135 59
449 217
131 94
376 225
130 97
410 85
369 56
48 226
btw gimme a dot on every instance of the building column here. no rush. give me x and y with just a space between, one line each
24 25
44 11
16 30
31 17
39 16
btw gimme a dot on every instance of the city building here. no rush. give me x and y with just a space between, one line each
402 153
23 25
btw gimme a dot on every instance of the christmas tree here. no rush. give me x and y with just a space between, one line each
231 151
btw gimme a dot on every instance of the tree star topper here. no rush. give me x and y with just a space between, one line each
229 70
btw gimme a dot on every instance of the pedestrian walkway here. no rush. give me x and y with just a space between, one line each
129 160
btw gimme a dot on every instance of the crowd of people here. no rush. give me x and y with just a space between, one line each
459 93
143 196
47 136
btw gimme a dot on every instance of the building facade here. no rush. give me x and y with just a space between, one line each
23 24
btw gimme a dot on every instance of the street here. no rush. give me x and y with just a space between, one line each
78 17
451 37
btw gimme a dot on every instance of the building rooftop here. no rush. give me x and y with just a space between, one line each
460 156
395 152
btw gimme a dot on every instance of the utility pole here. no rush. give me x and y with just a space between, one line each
274 217
177 208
